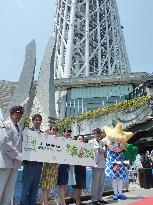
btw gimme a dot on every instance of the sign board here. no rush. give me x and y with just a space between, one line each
47 148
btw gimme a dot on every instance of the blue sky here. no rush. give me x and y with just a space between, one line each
23 20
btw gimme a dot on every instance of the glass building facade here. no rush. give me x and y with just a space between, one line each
84 99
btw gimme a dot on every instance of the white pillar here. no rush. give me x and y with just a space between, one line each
69 47
62 105
87 40
99 39
61 58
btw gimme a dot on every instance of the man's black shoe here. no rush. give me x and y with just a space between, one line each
102 201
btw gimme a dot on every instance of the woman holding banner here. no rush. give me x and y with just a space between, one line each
49 174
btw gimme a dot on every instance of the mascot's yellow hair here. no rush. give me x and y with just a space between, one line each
116 134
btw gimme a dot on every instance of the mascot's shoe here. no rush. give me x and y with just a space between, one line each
115 197
122 197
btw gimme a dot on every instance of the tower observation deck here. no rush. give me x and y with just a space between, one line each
89 39
89 42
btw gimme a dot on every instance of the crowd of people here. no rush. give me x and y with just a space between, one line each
147 159
45 175
109 162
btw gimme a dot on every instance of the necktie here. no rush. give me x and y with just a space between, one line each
16 125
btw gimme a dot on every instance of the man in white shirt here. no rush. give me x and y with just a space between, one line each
98 172
10 154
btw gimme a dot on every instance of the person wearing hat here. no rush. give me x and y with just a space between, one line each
10 154
98 172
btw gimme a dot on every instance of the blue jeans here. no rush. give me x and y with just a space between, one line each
30 183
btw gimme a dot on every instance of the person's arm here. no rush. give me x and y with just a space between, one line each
6 143
95 146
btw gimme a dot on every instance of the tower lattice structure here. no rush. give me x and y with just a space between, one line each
89 39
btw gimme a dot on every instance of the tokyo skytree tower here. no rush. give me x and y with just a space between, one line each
89 39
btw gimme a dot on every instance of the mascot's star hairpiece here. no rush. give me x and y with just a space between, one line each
117 134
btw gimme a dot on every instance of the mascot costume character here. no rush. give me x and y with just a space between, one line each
116 143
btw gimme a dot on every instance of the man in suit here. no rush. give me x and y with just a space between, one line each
98 172
31 171
10 154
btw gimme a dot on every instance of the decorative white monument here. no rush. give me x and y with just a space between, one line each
23 89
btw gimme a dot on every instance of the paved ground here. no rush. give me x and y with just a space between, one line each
134 194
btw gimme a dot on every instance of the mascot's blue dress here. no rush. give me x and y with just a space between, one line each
116 141
112 158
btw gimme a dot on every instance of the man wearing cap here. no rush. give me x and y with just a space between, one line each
98 172
10 154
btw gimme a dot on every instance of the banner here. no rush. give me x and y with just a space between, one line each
46 148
